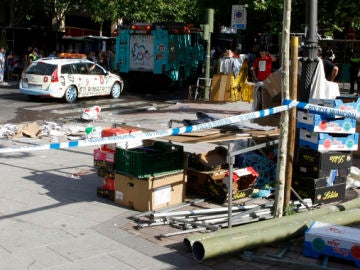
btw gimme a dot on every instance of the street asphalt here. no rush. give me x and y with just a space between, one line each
52 218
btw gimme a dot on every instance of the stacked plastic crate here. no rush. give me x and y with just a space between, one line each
150 177
104 161
324 156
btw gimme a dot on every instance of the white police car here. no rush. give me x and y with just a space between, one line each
69 78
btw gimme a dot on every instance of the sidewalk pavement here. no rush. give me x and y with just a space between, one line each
52 218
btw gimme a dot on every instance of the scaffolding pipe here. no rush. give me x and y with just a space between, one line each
202 211
294 227
275 222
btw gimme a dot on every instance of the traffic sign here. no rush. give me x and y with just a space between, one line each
238 17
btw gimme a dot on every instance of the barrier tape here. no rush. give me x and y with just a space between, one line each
331 112
123 138
148 134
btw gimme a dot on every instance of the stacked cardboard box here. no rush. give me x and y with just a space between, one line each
104 161
324 157
150 177
208 176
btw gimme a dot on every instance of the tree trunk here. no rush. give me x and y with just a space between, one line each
284 121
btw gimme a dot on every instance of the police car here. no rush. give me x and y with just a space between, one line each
69 77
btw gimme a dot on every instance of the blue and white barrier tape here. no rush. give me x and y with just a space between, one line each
331 112
149 134
122 138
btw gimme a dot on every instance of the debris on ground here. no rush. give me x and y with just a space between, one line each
56 131
91 113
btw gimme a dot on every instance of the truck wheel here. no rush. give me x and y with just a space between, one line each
70 94
116 90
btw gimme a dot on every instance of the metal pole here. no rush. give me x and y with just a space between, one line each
310 59
189 241
213 247
230 160
201 211
210 29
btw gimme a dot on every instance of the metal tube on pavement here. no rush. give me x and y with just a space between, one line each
190 240
216 246
202 211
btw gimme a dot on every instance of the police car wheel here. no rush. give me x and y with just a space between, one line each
70 94
115 90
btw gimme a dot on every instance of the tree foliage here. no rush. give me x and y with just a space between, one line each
157 10
262 15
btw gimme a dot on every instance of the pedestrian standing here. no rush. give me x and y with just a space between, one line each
262 68
33 56
10 64
331 70
354 72
251 58
2 63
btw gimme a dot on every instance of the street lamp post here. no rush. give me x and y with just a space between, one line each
310 50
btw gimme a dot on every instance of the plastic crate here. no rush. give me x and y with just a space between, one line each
109 132
156 159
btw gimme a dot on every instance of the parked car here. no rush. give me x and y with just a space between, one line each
70 79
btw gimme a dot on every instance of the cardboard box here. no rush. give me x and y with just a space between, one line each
311 182
110 166
105 193
149 194
269 101
332 240
243 178
313 163
241 194
320 123
314 189
212 160
220 89
109 183
101 155
106 172
316 172
328 142
198 181
213 184
337 104
272 84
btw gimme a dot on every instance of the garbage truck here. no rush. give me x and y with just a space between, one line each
159 52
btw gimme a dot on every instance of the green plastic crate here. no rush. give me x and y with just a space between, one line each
154 160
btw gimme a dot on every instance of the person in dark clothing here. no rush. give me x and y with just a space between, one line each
354 72
331 70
